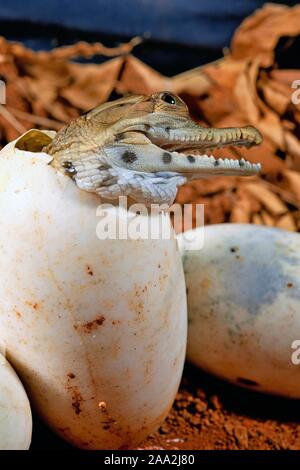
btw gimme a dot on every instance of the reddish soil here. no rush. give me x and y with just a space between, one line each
211 414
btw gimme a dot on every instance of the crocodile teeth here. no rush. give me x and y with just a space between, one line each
225 163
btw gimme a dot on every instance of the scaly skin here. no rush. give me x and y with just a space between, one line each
145 147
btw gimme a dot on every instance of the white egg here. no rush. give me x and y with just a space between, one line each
95 328
244 306
15 413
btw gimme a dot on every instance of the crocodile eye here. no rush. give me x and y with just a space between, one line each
168 98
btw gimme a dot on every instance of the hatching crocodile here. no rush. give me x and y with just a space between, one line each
145 147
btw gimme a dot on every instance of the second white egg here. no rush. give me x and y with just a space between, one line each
243 290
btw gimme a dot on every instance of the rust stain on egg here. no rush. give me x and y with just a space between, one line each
148 369
113 350
76 396
92 325
18 314
136 302
107 421
138 308
76 401
206 284
89 270
35 305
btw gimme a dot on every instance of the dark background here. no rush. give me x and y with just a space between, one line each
179 34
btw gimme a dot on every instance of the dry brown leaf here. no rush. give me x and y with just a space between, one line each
285 76
293 182
55 73
194 83
267 218
293 148
36 119
92 84
241 212
37 90
213 186
258 35
186 194
257 219
288 125
245 92
84 49
270 126
139 78
218 106
264 154
268 199
286 222
276 95
224 72
8 116
61 112
241 193
216 213
285 193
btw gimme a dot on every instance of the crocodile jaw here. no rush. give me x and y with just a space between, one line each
145 147
188 146
153 159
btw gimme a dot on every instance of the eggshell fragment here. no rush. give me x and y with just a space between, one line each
244 306
95 328
15 413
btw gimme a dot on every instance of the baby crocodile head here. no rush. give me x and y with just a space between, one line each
145 147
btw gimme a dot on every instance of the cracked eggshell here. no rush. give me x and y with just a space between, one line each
15 412
95 328
244 306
